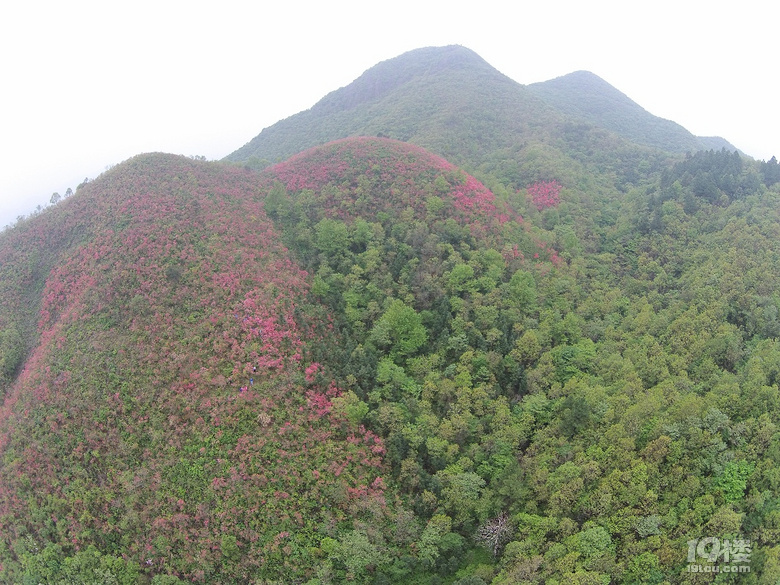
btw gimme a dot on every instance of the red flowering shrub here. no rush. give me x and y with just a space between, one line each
349 175
176 409
545 194
167 414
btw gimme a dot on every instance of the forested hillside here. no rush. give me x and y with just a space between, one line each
451 102
582 404
363 364
168 419
587 96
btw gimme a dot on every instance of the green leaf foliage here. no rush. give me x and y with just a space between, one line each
349 365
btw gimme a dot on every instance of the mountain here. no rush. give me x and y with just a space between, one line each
434 97
172 380
584 95
716 143
167 394
363 364
451 102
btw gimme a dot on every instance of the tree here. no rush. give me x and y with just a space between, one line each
771 172
359 554
522 289
277 201
733 481
11 351
429 545
495 533
332 237
400 329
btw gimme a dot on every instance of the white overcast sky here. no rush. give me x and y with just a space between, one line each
85 85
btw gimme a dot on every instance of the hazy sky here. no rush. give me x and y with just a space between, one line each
86 85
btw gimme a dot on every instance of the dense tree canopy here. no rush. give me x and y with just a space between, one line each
364 365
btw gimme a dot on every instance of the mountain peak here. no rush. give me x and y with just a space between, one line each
436 97
384 77
584 91
452 102
587 96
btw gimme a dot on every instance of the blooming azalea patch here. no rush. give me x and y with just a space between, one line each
545 194
171 368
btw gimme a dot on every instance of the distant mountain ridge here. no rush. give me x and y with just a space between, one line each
451 101
386 76
587 96
440 98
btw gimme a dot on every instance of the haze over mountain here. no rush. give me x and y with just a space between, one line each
435 97
587 96
364 364
449 100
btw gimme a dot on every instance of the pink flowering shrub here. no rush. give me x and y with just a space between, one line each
177 407
168 404
545 194
362 176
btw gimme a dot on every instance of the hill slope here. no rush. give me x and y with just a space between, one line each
587 96
184 407
363 365
555 407
164 420
451 102
442 98
545 405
